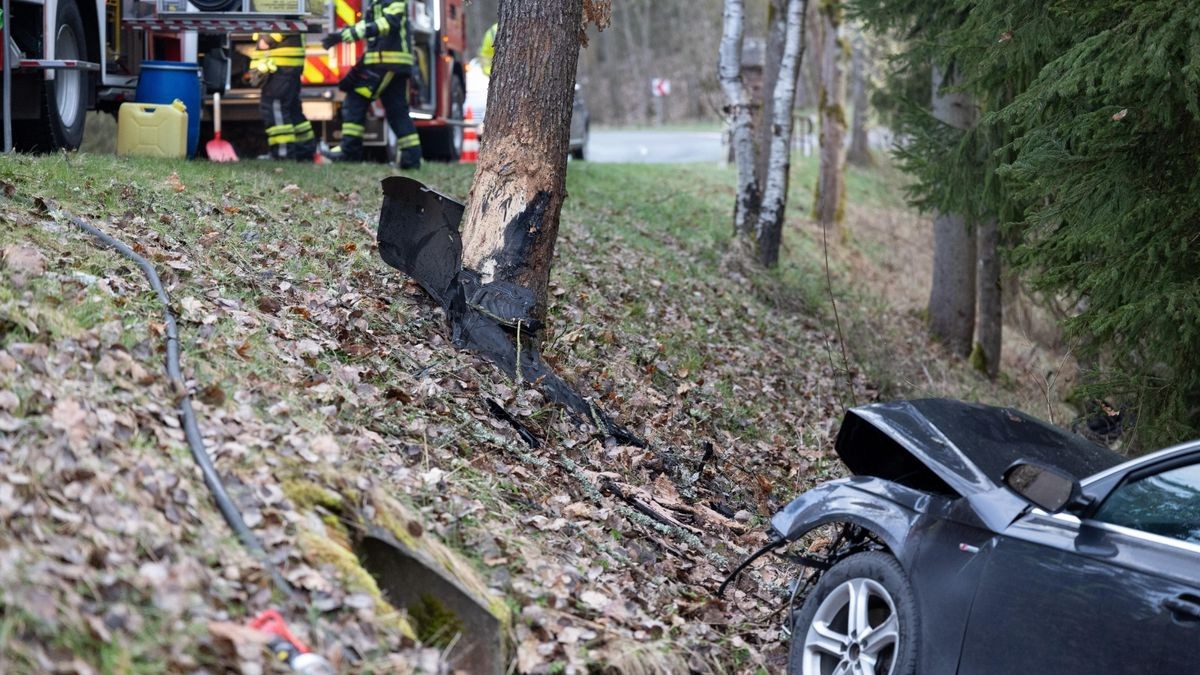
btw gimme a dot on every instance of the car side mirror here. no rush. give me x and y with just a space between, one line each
1046 487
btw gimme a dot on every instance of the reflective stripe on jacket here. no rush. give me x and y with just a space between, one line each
487 50
286 51
389 40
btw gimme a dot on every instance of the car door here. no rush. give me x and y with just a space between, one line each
1116 592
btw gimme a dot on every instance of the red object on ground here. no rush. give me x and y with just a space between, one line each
218 150
271 622
470 146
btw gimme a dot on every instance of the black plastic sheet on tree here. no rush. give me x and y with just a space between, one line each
418 235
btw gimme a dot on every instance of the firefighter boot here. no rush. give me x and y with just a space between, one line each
339 154
410 158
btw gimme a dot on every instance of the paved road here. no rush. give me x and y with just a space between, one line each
657 147
653 147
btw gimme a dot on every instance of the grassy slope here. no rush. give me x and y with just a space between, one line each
327 378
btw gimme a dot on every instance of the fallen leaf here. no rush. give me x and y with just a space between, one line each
242 643
174 183
23 263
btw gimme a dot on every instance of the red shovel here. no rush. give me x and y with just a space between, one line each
219 150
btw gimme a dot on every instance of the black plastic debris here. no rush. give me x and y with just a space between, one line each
418 235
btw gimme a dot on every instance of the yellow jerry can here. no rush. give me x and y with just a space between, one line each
152 129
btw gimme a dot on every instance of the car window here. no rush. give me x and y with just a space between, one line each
1165 503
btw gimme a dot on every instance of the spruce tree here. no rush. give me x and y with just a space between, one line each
1087 153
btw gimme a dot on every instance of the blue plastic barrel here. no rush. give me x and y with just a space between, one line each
165 81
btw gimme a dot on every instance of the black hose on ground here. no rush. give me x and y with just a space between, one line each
191 430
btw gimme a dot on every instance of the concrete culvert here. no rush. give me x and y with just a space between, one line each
443 612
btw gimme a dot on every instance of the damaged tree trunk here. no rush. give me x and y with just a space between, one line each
490 278
520 183
830 195
729 69
769 231
952 296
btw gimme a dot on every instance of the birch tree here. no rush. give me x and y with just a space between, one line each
773 57
729 66
769 230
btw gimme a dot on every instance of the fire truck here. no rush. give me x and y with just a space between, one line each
71 56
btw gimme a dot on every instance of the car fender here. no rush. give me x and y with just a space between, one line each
887 510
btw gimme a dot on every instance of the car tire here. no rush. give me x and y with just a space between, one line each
826 636
444 144
64 99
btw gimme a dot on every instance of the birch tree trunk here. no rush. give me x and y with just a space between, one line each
991 303
516 198
773 57
952 297
729 70
830 195
860 149
769 231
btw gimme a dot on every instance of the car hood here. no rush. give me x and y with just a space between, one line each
953 447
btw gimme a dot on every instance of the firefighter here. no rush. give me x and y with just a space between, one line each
279 61
382 72
487 50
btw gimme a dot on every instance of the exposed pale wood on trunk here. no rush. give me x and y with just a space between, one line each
991 303
769 230
516 198
952 297
738 111
831 182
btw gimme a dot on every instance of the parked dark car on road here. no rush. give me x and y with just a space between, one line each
581 123
975 539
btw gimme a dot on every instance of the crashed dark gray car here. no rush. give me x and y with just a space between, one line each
975 539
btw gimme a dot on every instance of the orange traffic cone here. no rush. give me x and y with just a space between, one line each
470 146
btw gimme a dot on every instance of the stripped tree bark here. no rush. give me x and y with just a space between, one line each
829 198
952 296
729 70
986 355
769 230
859 153
520 182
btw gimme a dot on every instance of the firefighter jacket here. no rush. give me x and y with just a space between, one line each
286 50
487 50
389 41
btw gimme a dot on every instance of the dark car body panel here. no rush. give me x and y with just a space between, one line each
888 510
1042 605
1002 587
967 446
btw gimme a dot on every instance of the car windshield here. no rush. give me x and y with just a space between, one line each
1166 504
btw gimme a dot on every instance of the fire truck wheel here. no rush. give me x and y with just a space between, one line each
64 99
444 144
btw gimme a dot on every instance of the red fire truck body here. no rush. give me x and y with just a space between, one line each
92 57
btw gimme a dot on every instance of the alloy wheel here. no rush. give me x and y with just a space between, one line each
855 631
